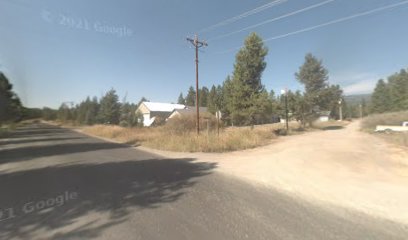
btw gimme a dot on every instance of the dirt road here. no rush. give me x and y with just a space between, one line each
342 167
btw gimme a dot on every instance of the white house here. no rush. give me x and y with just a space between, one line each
152 110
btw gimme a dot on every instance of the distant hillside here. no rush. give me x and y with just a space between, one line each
356 99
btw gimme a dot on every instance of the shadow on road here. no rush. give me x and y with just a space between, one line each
109 188
31 152
41 130
329 128
34 140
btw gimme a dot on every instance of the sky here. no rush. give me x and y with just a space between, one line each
56 51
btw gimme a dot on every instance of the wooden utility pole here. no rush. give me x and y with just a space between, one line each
197 44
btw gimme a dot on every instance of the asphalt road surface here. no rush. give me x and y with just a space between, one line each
59 184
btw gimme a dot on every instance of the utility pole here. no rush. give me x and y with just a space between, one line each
197 44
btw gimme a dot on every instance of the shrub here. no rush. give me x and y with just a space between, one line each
186 124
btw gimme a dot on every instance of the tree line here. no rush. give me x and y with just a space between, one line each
106 110
244 100
11 108
391 95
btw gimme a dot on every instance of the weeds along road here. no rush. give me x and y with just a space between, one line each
60 184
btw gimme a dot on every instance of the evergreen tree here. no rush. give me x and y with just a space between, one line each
398 91
203 96
92 112
191 96
181 99
211 100
11 108
314 77
381 100
247 99
65 113
109 108
319 94
227 100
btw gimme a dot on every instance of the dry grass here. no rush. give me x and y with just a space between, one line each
179 135
163 138
395 118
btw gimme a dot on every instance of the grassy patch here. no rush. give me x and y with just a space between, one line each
165 138
395 118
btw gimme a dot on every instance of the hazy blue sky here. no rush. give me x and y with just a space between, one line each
55 51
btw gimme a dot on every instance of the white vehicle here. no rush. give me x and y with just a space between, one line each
388 128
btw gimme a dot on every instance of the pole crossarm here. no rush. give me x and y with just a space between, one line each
196 42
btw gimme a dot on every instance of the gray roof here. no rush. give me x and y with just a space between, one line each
191 110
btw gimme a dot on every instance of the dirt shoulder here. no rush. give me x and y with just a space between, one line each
342 167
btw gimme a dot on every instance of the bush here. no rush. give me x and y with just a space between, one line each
186 124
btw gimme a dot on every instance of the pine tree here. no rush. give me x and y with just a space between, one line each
11 108
227 100
109 108
191 96
314 77
381 100
203 96
181 99
398 90
212 100
247 99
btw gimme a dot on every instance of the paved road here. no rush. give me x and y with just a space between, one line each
59 184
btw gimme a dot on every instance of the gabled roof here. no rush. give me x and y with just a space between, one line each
162 107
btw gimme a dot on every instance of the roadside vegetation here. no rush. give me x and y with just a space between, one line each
179 135
389 106
12 111
393 118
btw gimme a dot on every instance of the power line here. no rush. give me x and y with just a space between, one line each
327 23
243 15
272 20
